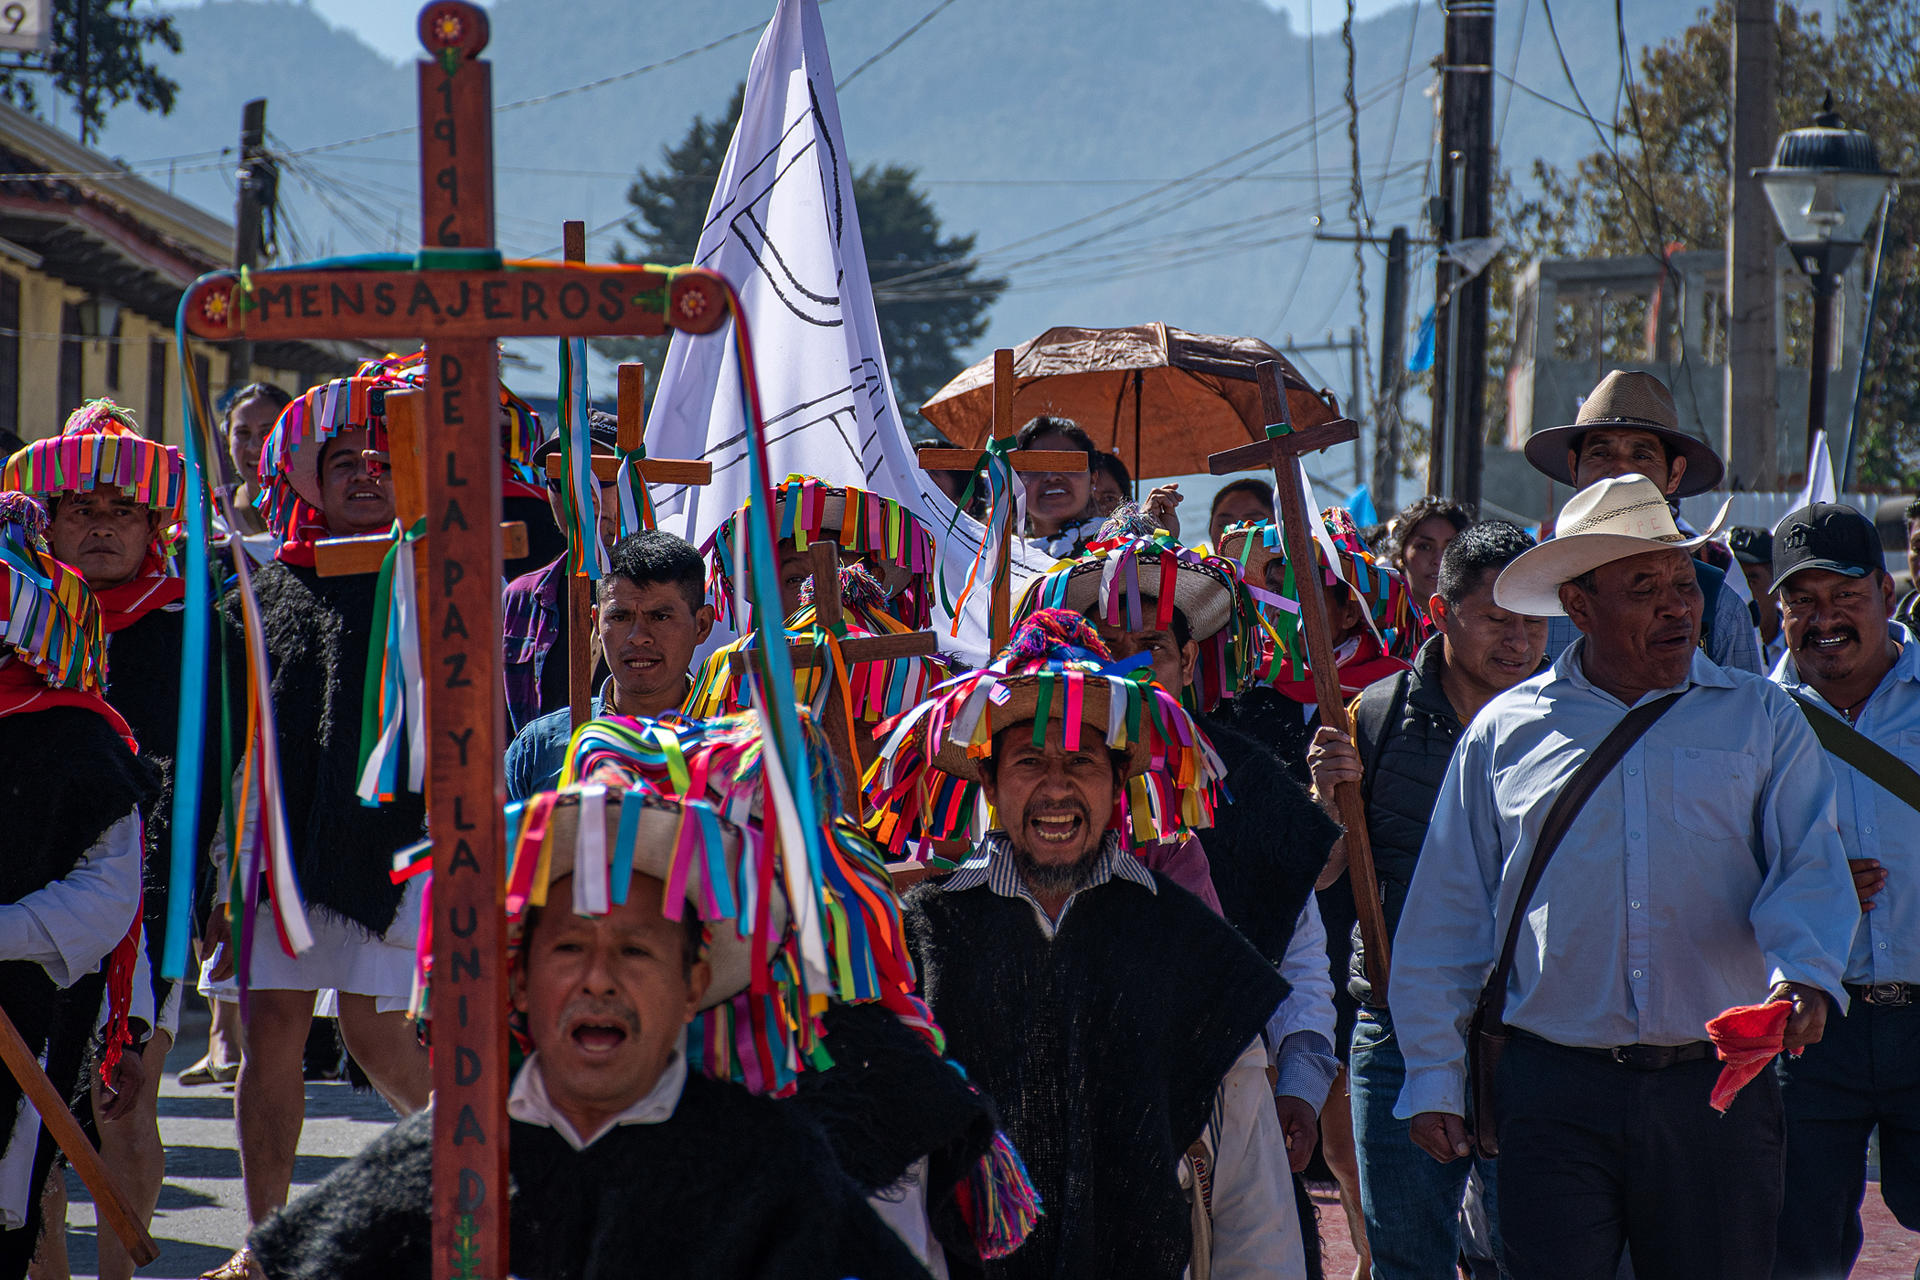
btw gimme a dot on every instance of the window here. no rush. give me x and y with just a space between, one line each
113 353
10 353
156 417
70 388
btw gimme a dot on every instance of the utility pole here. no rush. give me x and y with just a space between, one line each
1466 190
1393 376
1750 433
256 181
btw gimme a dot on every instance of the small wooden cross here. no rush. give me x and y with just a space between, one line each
1023 460
829 615
459 294
1282 450
633 398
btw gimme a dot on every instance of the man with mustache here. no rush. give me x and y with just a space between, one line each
1113 1018
1628 426
1268 843
626 1156
1705 873
1407 727
319 481
1848 662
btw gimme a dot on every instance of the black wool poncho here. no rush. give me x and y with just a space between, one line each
730 1187
1103 1049
317 633
52 816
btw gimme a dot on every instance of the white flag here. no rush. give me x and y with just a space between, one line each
1820 485
783 229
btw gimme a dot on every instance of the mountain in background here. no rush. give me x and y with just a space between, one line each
1091 144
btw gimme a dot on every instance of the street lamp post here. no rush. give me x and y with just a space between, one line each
1825 184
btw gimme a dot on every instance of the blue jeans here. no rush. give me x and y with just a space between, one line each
1411 1201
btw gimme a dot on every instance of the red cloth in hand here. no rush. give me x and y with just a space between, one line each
1747 1039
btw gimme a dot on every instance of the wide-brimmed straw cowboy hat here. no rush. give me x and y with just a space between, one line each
656 834
1638 401
1617 518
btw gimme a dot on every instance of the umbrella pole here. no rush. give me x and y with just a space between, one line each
1136 435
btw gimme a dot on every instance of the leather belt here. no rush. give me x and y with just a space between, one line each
1635 1057
1889 994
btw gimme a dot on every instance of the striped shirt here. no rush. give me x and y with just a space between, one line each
994 865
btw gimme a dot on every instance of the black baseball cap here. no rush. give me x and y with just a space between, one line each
1750 545
603 429
1826 535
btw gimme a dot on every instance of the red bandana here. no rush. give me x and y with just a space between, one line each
22 689
152 588
307 526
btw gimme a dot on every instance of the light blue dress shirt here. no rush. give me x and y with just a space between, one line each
1874 824
1704 868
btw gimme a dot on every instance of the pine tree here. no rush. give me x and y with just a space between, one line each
99 60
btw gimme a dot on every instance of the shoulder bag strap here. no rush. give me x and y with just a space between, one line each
1878 764
1566 807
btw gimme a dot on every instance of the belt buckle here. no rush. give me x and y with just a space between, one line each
1629 1055
1890 994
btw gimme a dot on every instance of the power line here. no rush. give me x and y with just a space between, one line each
1519 39
898 40
1313 112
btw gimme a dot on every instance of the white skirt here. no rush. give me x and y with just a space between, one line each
344 958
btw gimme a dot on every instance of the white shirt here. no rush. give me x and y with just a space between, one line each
67 929
528 1101
1301 1030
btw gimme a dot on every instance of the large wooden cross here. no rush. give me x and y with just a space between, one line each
459 296
1282 450
1000 602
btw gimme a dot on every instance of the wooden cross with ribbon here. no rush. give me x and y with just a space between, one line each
632 404
460 295
1028 460
829 615
1282 450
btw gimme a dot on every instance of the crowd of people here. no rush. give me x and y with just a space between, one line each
1638 824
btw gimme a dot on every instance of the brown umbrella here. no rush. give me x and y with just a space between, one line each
1159 398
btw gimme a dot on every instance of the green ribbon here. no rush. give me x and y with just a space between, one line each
377 640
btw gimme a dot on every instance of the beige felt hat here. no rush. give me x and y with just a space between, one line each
1612 520
1628 398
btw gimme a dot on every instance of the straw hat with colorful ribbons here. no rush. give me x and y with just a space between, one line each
290 460
1382 591
101 447
874 690
807 936
52 622
925 785
808 510
1137 581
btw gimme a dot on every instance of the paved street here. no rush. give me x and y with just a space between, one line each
202 1215
202 1218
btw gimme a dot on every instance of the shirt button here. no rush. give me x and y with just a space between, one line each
1866 831
1883 946
1633 771
1633 835
1635 904
1637 973
1692 754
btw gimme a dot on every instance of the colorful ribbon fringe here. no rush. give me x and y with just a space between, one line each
52 620
100 448
869 524
394 698
316 416
1055 655
579 490
1122 564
